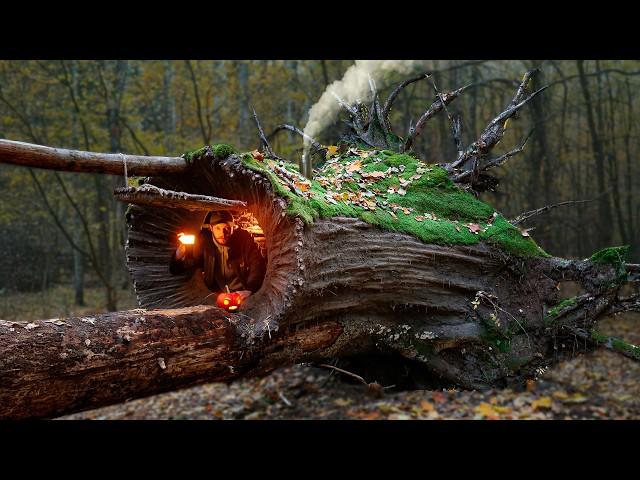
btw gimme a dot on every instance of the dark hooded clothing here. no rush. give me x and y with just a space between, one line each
238 265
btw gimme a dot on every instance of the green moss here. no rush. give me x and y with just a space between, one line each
222 150
553 311
219 150
615 344
431 207
612 255
192 155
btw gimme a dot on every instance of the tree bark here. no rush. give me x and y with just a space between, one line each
53 367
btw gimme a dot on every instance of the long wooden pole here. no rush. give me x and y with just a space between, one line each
39 156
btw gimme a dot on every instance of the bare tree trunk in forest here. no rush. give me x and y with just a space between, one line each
325 75
612 158
243 103
604 207
635 248
168 107
78 260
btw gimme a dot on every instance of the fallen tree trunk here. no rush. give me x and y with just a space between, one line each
53 367
403 267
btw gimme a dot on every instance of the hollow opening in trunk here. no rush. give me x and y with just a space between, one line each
228 251
392 371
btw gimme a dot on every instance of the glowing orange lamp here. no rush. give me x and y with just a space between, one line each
229 301
186 239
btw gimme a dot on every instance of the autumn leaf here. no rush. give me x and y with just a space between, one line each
331 150
426 406
542 402
502 409
486 410
439 397
561 395
257 155
376 174
355 166
575 398
304 186
419 218
474 228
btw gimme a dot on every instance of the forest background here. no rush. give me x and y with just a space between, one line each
63 235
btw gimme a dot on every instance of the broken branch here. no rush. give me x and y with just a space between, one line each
159 197
316 145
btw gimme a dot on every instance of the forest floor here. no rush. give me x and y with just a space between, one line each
597 385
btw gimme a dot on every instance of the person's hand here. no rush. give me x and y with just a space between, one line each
244 294
181 251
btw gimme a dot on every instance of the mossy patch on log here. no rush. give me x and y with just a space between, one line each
611 255
397 192
219 151
558 307
615 343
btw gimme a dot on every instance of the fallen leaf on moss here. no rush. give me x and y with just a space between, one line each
474 228
355 166
257 155
331 150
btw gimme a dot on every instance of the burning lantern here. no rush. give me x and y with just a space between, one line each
188 241
229 301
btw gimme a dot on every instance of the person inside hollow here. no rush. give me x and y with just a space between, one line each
227 256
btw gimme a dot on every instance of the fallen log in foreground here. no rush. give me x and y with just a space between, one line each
52 367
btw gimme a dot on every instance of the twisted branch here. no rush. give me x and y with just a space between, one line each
314 143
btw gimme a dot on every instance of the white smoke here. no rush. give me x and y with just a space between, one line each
353 86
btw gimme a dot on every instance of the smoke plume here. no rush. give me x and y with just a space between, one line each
354 85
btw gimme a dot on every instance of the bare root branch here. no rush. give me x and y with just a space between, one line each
523 217
626 304
392 97
437 106
265 143
314 143
478 167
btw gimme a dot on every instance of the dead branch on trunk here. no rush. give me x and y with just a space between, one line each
265 143
523 217
438 105
317 146
159 197
394 94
